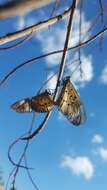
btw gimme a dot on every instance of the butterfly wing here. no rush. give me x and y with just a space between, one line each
22 106
69 103
42 103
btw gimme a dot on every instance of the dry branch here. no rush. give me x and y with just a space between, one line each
19 7
32 29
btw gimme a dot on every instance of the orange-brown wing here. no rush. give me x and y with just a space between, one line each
69 103
22 106
42 103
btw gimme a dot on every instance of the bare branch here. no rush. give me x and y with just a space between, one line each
20 7
17 44
35 28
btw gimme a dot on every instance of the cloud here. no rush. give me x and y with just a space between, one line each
85 25
52 82
24 21
54 38
87 71
103 77
97 139
80 165
102 152
19 24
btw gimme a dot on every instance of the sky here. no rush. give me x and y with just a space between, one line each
63 156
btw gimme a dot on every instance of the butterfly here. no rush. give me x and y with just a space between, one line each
69 103
40 103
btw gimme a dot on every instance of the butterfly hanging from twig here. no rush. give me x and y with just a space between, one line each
68 102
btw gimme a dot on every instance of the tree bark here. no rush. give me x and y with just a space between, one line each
20 7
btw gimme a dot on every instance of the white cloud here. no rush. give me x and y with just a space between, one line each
103 77
20 23
87 71
102 152
52 82
97 139
84 28
23 21
30 21
53 39
80 165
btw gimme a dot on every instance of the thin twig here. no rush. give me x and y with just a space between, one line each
29 175
9 153
80 34
18 165
102 20
39 129
11 173
56 4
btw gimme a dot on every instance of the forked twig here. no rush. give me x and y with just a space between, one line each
18 165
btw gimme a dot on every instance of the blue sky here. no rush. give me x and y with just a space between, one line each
64 156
